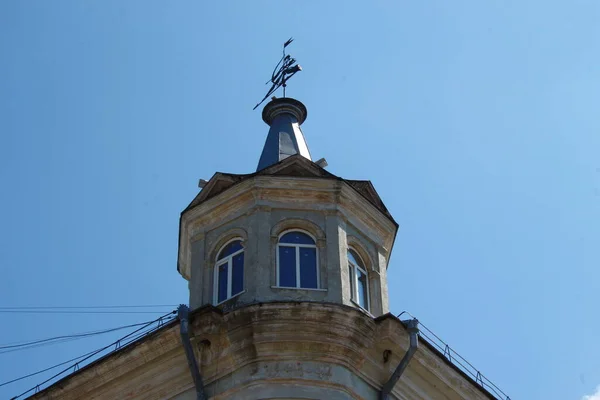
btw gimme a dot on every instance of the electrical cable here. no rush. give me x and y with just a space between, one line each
77 312
91 354
118 344
44 370
82 307
60 339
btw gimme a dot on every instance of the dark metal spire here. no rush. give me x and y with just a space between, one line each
285 138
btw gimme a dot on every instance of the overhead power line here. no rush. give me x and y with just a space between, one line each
44 370
120 342
82 307
66 362
60 339
76 312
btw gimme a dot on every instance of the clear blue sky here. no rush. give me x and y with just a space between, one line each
476 121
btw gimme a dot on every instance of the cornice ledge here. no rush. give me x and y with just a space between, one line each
214 202
366 207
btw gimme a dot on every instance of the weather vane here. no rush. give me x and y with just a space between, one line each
284 70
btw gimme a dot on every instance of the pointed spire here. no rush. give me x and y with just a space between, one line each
285 138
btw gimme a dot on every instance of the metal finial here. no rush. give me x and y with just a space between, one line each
284 70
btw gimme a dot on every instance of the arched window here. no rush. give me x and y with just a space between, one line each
229 271
359 283
297 261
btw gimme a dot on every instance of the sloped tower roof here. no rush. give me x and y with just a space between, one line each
285 138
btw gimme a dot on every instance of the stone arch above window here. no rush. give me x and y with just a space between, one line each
355 244
226 237
290 224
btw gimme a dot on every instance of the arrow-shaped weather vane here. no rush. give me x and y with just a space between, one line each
284 70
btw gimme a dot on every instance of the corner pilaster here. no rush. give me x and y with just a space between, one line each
199 273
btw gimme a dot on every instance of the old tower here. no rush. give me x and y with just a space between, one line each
288 296
287 277
291 231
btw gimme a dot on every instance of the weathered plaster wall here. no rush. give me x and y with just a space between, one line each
262 214
272 351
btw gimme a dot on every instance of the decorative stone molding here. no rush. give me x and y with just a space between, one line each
357 245
273 350
335 200
263 208
297 223
333 212
198 236
224 238
258 208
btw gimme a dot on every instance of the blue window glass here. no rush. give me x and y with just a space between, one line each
358 280
297 253
362 288
287 266
353 258
308 267
297 238
229 278
351 275
237 274
230 249
222 282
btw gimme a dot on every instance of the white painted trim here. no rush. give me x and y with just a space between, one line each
232 297
362 309
229 261
241 239
297 247
354 296
298 288
297 230
297 251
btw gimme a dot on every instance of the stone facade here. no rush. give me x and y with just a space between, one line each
262 207
276 350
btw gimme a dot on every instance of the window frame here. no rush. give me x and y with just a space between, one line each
297 247
229 261
354 295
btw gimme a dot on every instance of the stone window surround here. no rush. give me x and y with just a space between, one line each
318 269
218 261
356 244
305 225
361 245
373 275
211 261
223 240
364 269
312 229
